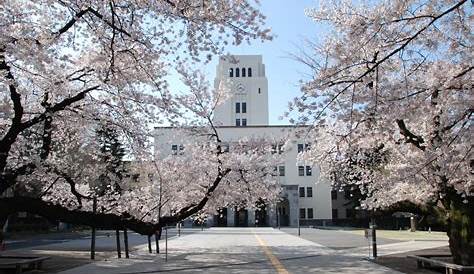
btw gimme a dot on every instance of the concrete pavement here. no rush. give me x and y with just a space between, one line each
240 250
228 250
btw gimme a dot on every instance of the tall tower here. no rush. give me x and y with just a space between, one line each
244 77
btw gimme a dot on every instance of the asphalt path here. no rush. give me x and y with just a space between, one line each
78 241
335 239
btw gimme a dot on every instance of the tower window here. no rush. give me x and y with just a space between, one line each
237 108
237 72
243 72
174 149
237 122
231 72
244 107
249 72
244 122
259 91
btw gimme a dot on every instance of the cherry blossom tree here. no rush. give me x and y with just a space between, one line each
397 75
69 67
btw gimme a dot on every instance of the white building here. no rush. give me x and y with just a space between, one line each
245 113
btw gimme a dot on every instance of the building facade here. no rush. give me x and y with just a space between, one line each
245 114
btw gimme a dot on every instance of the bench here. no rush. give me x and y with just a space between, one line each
426 260
21 262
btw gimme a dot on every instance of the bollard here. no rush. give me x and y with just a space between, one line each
117 240
149 244
125 242
374 241
166 244
94 209
157 241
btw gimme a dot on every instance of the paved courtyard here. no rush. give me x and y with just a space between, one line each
256 250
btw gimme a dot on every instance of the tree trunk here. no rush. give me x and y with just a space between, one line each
461 231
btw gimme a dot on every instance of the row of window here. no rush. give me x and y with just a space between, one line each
245 72
301 170
276 148
279 148
309 191
177 149
303 214
238 108
303 147
241 122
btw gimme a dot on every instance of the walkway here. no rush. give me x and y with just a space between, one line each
247 250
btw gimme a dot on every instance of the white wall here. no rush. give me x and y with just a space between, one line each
252 90
321 200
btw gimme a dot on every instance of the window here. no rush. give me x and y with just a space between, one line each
303 147
244 107
280 148
237 122
333 195
275 171
334 214
237 107
244 122
309 191
174 149
281 170
310 213
259 91
277 148
231 72
243 72
237 72
300 170
302 213
249 72
309 171
300 148
301 191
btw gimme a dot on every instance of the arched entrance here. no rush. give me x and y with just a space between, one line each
283 216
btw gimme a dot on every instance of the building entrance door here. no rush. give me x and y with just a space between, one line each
261 214
284 212
221 217
241 217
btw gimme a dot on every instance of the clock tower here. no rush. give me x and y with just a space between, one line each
243 79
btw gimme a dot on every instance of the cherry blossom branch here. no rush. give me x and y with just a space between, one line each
385 58
411 138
